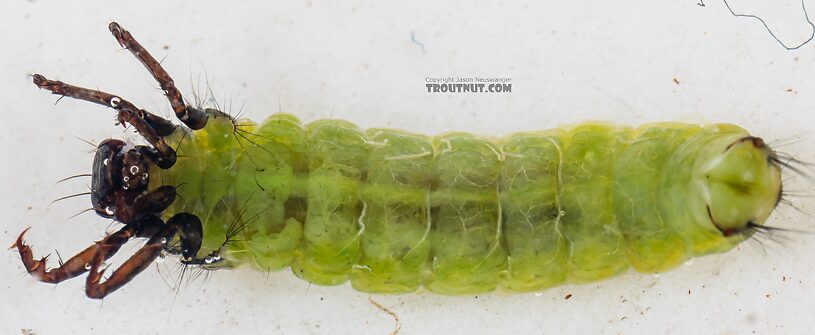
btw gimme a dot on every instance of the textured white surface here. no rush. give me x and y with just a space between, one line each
569 62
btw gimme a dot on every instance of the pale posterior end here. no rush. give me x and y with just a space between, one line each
742 185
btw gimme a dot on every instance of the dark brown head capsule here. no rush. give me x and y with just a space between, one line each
121 175
104 185
120 186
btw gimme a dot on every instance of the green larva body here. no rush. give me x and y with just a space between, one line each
456 213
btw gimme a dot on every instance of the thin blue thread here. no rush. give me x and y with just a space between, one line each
413 39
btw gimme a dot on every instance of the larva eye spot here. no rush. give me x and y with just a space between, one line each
741 187
134 171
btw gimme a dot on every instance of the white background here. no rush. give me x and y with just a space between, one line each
570 61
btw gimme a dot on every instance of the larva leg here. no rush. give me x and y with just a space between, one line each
192 117
153 201
96 289
187 225
152 127
78 264
190 234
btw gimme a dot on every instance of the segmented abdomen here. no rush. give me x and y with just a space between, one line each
457 213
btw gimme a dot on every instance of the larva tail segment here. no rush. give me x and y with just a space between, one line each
742 186
785 163
193 117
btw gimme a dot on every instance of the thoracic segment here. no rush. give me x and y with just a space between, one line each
456 213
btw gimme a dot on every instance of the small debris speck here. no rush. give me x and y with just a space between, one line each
568 296
676 81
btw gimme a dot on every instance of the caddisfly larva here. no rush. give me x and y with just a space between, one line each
393 211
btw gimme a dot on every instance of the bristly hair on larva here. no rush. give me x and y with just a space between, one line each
393 211
798 168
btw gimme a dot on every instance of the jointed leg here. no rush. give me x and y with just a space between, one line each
188 227
191 116
150 126
152 201
134 202
162 126
72 268
79 263
134 265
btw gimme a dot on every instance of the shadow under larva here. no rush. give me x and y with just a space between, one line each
393 211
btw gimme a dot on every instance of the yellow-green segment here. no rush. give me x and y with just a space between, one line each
393 211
